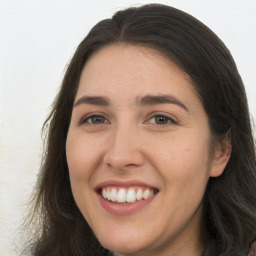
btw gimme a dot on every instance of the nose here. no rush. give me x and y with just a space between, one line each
124 150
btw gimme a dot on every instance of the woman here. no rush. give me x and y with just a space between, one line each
149 148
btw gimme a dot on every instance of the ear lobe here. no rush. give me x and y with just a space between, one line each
220 158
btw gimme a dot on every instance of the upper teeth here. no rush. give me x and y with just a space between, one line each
129 195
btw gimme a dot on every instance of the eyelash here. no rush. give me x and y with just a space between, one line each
170 121
86 118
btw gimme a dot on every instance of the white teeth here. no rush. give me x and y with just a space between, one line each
131 196
146 194
104 193
139 194
113 195
126 195
108 195
121 196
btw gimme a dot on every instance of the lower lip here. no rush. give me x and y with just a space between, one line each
124 209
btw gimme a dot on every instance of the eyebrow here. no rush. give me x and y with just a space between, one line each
160 99
146 100
93 100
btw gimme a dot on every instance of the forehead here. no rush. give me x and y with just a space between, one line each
130 71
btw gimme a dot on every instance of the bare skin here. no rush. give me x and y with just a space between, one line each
136 123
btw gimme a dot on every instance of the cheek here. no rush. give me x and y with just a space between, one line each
186 176
182 160
82 157
82 160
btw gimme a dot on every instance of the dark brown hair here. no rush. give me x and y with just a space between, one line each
230 200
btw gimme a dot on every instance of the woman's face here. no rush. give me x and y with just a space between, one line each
139 153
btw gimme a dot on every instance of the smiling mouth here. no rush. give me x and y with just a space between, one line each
120 195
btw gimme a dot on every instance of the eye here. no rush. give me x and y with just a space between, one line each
161 120
94 119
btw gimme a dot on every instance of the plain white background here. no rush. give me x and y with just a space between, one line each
37 40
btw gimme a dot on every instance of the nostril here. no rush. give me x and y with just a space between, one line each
123 156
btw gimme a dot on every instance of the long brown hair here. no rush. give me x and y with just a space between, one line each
230 200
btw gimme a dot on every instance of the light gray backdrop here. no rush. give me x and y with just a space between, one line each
37 39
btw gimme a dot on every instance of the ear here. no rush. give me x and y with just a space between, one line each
220 158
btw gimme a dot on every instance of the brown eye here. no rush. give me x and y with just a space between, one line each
161 119
95 119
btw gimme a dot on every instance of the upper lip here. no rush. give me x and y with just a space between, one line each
124 184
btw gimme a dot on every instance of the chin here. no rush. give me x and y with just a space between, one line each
123 244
